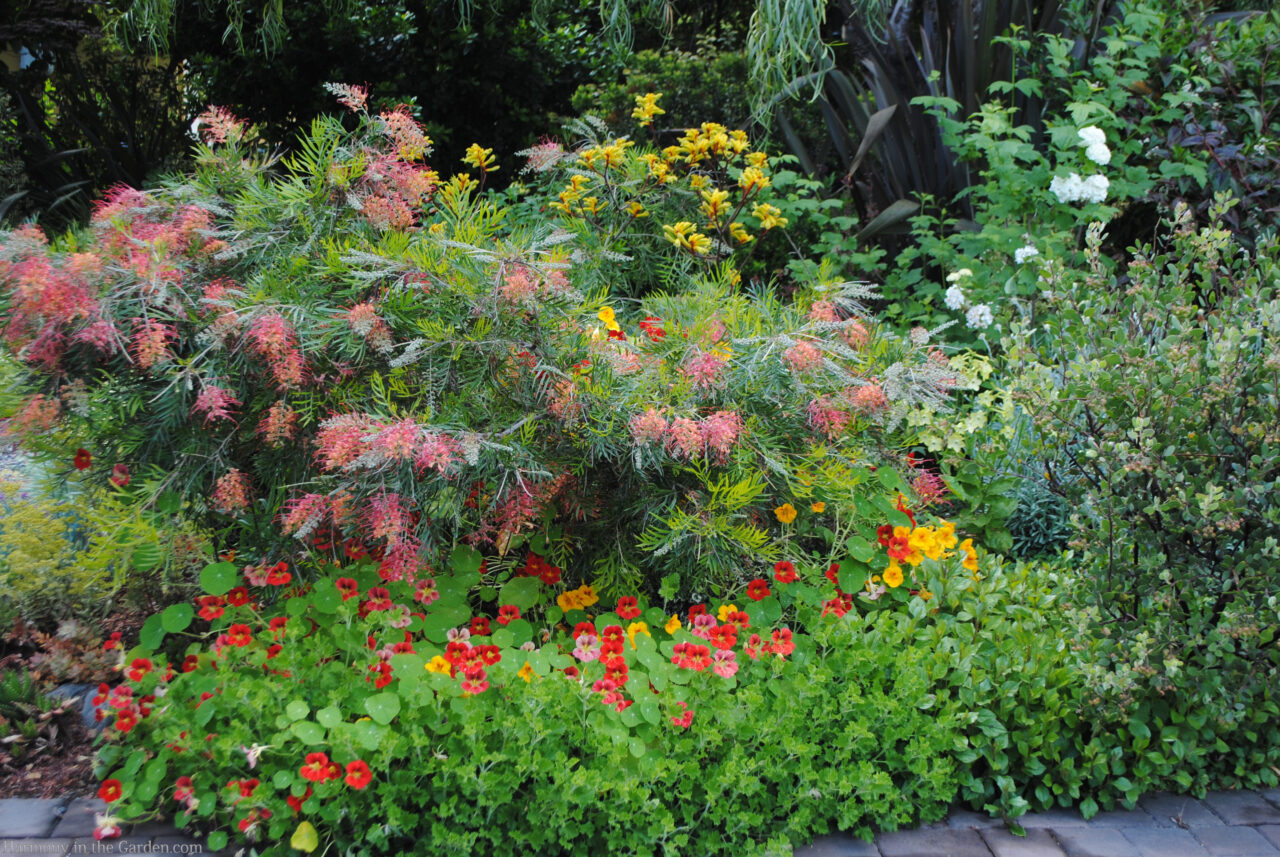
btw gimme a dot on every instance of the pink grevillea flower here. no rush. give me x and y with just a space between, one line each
704 369
151 341
350 96
215 403
218 125
278 425
386 516
400 562
435 452
855 335
648 427
720 432
38 415
101 334
869 399
274 339
823 311
304 514
231 492
405 134
825 417
340 440
684 438
802 357
397 441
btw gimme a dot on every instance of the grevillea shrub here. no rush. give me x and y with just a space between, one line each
383 717
383 361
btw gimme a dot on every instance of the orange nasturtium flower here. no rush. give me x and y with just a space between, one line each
786 513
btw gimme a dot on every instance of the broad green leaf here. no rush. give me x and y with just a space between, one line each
305 838
218 578
329 717
297 709
176 617
308 732
383 707
523 592
152 633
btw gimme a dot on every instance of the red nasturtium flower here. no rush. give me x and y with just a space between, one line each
628 608
316 769
724 636
211 607
758 589
358 774
697 610
111 790
833 575
884 532
279 574
508 613
240 635
183 790
782 644
379 599
238 597
120 476
348 587
113 641
139 668
190 663
83 459
126 719
784 572
480 626
295 803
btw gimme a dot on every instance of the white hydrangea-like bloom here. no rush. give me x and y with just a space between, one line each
957 276
1022 254
1098 153
1068 189
1094 188
1075 189
954 298
1092 136
979 317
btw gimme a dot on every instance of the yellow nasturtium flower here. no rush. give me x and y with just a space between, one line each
893 575
786 513
725 611
526 672
818 507
673 624
437 665
637 628
610 321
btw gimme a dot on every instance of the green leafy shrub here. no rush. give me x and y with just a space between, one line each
1157 395
373 355
705 85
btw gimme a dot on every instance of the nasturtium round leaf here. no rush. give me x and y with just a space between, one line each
217 839
522 592
307 732
145 791
297 709
176 617
501 637
521 632
764 612
383 707
305 838
151 635
860 549
329 717
649 710
637 748
326 598
465 560
282 779
218 578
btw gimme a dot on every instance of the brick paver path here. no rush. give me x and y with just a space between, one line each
1224 824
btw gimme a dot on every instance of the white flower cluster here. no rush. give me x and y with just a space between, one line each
979 315
1022 254
1095 142
1075 189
